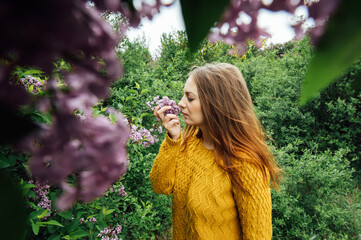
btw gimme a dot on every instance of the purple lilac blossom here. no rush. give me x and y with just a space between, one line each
122 192
165 101
37 83
111 233
239 33
93 147
142 136
41 192
92 219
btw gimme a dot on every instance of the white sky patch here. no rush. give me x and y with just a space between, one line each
169 19
277 24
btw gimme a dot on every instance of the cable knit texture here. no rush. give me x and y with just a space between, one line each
206 205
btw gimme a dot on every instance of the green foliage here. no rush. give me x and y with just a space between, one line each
317 199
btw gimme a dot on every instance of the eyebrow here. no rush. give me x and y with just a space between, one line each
186 92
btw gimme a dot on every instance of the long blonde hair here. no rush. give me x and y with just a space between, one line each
231 121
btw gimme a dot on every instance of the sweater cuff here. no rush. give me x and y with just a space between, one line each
171 141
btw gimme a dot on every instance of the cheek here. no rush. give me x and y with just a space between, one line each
198 112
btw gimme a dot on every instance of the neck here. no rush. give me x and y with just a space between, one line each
206 137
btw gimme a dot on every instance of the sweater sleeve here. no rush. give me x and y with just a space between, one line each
253 203
162 175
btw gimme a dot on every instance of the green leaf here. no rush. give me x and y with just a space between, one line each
31 88
112 118
199 16
145 114
12 160
31 194
35 227
133 91
129 97
137 85
31 204
109 211
144 91
45 118
120 106
34 215
78 234
32 72
4 164
28 185
43 214
55 236
66 214
53 222
338 49
80 214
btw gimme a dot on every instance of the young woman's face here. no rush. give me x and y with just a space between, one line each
191 105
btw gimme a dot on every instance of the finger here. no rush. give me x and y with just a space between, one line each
170 117
162 110
171 124
156 109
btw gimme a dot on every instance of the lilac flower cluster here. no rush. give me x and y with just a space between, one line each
122 192
92 147
158 129
41 192
165 101
142 136
111 233
37 83
240 31
92 219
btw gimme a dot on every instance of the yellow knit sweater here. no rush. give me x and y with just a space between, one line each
206 205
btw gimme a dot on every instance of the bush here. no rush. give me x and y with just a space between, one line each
319 198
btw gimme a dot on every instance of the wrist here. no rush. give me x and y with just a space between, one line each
173 137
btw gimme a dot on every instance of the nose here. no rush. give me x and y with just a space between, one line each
181 103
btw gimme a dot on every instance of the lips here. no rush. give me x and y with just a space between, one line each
184 114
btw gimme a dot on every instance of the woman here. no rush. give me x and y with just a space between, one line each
219 168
